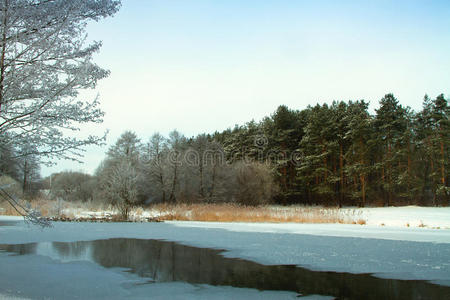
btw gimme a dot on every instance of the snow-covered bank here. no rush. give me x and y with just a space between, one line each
417 234
401 217
406 216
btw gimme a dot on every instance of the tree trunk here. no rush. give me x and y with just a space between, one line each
202 192
442 163
174 182
341 169
363 189
3 53
389 175
25 177
163 188
213 181
325 165
433 185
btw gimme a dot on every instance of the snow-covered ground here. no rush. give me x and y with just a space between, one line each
389 252
406 216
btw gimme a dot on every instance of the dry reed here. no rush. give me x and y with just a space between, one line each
236 213
200 212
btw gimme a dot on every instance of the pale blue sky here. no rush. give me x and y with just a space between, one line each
201 66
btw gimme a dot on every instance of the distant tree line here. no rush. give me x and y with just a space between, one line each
336 154
19 169
340 154
179 170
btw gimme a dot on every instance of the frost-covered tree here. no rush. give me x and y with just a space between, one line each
8 165
73 186
175 142
121 187
29 172
44 63
128 147
155 166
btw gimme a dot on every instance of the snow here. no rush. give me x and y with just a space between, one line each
10 219
418 234
390 251
81 213
406 216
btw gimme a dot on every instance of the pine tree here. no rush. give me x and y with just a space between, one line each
284 131
390 125
318 144
441 139
357 156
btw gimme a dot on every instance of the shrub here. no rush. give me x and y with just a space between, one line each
253 183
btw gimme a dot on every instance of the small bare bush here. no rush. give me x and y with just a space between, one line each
121 188
254 183
10 185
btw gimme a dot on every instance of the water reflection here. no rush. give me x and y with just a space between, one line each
164 261
9 222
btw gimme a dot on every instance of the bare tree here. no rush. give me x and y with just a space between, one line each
29 168
156 153
214 159
121 187
8 165
176 141
73 186
128 147
253 183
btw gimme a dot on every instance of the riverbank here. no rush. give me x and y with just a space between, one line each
406 216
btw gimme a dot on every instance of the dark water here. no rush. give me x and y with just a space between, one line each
162 261
8 223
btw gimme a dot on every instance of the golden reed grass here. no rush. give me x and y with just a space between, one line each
203 212
237 213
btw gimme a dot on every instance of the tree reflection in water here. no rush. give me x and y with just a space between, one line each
163 261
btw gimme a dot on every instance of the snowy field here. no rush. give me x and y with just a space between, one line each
400 252
406 216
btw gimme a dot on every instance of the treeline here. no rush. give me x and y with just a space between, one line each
19 167
336 154
340 154
179 170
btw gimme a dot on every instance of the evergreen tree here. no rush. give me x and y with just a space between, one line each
357 156
390 125
434 137
284 131
318 144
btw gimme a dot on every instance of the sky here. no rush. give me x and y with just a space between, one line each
201 66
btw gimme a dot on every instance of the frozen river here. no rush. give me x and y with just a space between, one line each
182 260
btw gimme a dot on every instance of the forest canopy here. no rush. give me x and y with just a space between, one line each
336 154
